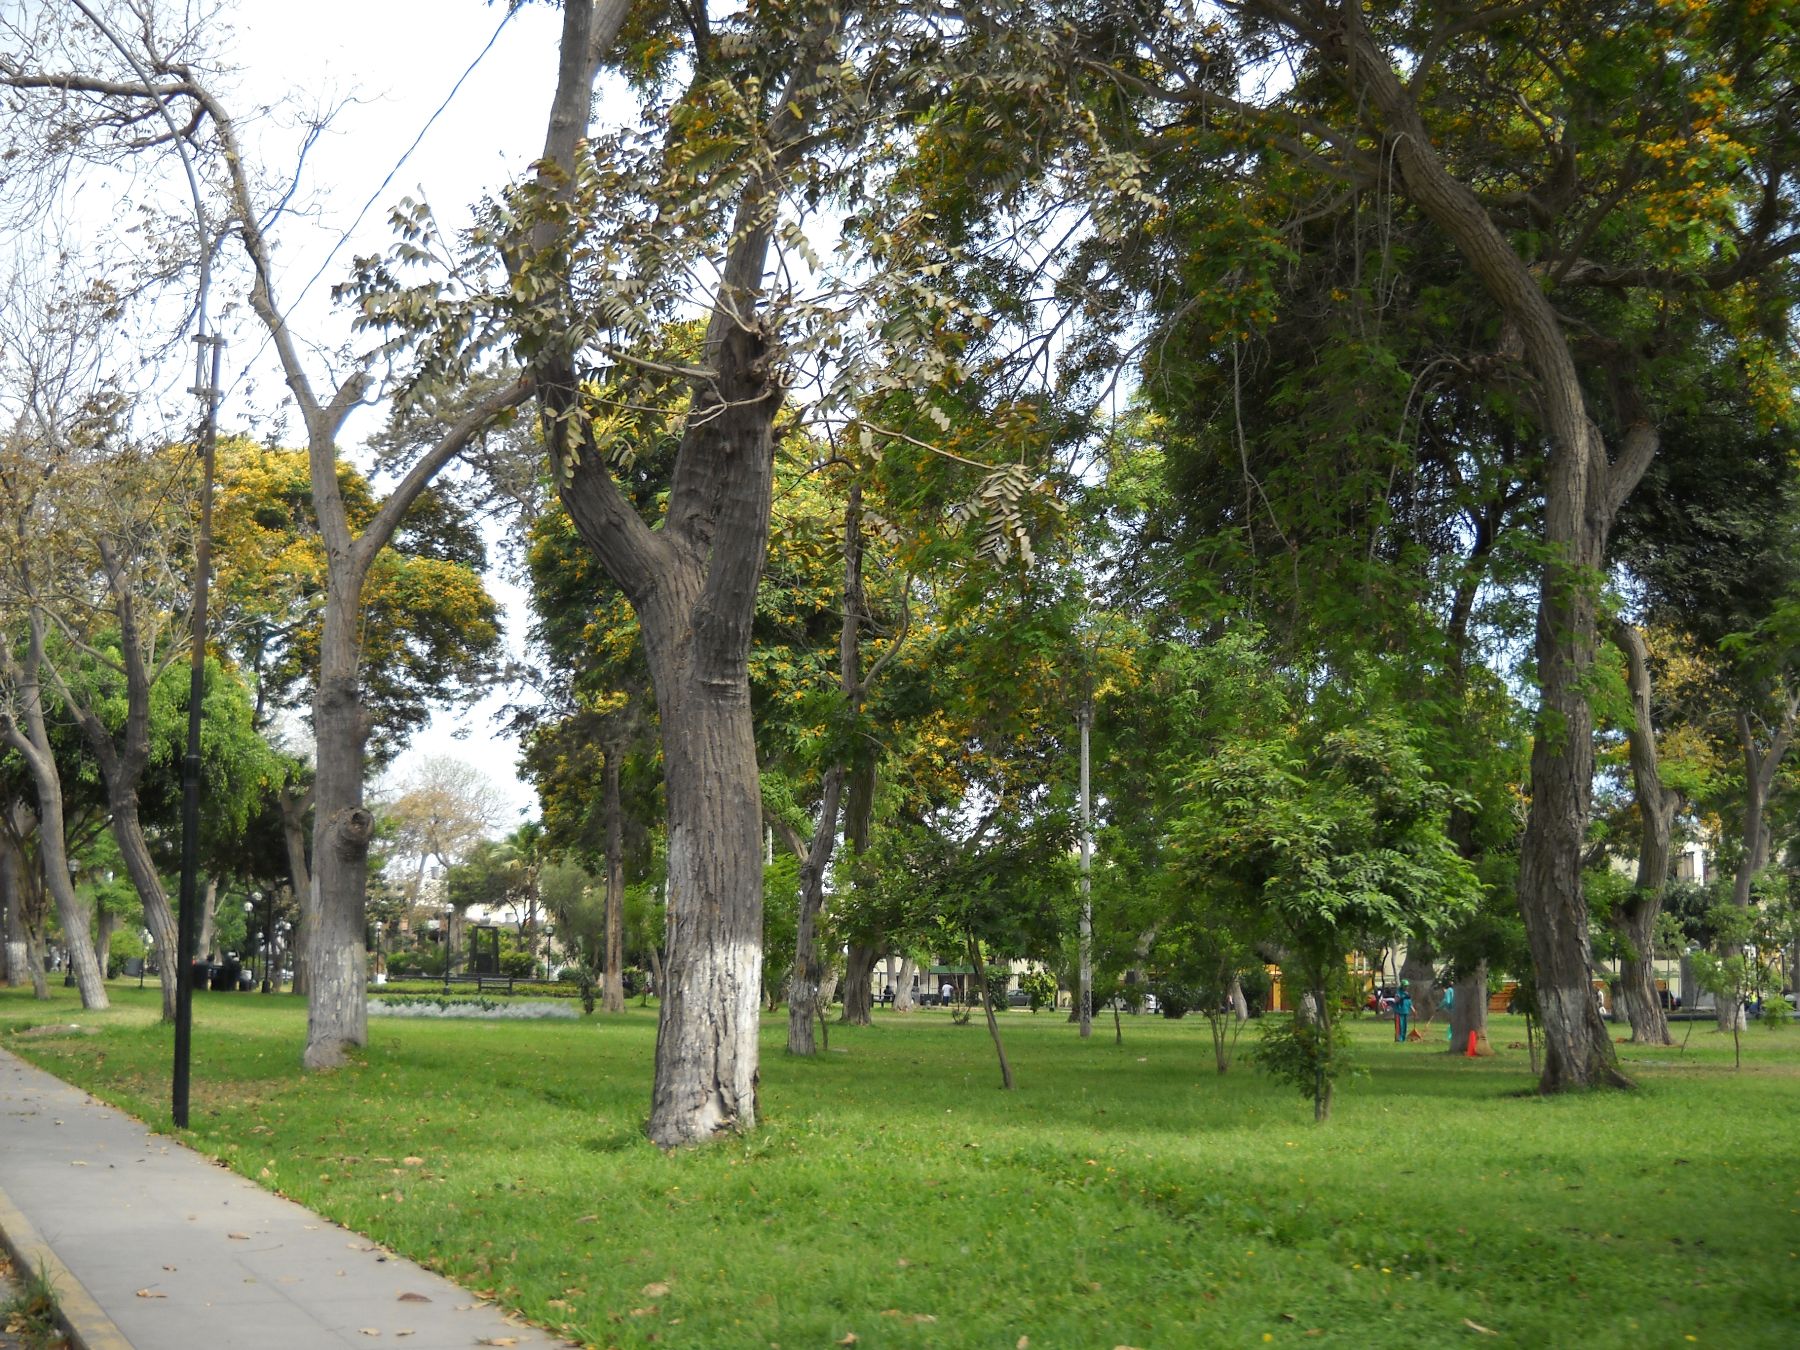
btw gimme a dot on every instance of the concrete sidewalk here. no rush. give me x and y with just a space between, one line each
152 1246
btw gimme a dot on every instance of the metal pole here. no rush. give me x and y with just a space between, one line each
1086 992
207 389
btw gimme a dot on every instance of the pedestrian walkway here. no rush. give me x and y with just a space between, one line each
152 1246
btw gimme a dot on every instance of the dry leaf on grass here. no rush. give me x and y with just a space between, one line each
655 1290
644 1312
1476 1326
413 1162
849 1338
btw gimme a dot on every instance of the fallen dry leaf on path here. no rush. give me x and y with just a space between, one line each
413 1298
238 1237
499 1340
369 1331
150 1293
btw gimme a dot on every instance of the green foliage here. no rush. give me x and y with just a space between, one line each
1040 989
31 1312
1310 1054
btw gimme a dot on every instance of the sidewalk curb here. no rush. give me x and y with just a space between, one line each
83 1320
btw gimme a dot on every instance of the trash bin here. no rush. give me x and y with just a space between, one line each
225 974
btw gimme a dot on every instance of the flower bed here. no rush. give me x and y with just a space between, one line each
484 1009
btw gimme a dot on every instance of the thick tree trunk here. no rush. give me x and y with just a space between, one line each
1469 1013
1635 923
612 976
1240 1006
209 919
859 985
693 586
1419 974
334 921
16 901
706 1051
806 979
903 986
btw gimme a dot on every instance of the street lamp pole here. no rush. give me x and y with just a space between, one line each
206 389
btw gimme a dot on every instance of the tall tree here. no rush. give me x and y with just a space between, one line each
78 69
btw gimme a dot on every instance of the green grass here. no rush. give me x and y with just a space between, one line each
1124 1195
29 1310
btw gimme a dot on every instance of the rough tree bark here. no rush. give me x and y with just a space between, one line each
1469 1013
692 585
806 979
1419 973
1634 920
903 985
1583 492
24 946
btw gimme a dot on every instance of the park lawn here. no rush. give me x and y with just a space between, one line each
1123 1195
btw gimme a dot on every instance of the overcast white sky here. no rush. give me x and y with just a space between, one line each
398 60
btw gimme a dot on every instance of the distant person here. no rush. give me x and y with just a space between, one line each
947 993
1449 1003
1402 1013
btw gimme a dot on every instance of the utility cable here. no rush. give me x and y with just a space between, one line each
344 234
